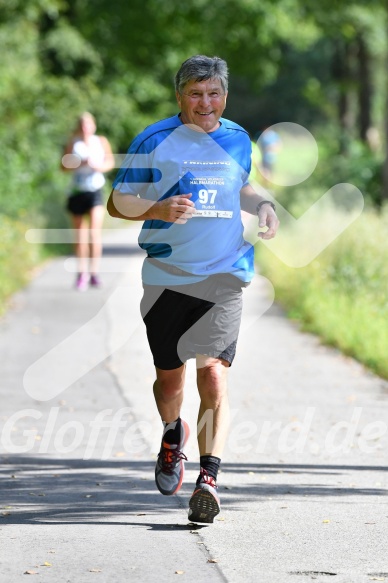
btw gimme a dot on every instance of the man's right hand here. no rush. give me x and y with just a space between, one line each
175 209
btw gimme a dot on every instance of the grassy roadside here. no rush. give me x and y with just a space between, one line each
342 295
17 258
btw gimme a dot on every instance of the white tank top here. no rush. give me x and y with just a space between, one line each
85 179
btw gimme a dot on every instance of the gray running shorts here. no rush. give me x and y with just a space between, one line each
189 319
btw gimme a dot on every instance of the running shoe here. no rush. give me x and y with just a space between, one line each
170 467
81 282
95 281
204 503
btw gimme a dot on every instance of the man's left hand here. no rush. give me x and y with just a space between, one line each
267 218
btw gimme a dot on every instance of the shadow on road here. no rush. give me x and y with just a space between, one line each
38 490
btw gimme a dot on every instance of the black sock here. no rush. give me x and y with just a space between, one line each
211 464
172 432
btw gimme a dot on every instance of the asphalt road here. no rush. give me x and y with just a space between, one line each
304 477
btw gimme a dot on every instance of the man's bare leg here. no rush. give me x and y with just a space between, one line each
213 425
214 408
168 392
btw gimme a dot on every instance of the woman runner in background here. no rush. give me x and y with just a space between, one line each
87 156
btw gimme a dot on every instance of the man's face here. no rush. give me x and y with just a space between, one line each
202 103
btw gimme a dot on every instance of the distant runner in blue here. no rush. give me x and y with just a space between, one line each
269 143
187 177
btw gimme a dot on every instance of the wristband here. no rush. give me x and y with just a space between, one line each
265 202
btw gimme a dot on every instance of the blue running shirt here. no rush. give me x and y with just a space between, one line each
169 158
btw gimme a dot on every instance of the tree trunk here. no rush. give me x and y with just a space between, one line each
364 87
341 74
384 192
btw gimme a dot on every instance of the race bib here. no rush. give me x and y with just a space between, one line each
210 186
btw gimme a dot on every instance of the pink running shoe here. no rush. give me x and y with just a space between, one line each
81 283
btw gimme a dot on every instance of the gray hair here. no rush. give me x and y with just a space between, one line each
202 68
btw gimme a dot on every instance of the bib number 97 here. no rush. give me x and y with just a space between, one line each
207 196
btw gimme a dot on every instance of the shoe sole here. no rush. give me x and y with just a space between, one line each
203 507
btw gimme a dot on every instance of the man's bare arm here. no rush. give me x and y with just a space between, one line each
175 209
128 207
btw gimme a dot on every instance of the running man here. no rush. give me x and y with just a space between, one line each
186 177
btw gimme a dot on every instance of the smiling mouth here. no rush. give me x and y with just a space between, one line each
204 114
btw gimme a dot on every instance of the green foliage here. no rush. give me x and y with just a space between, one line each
360 167
64 51
342 294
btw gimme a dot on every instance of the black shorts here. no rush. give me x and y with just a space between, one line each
199 318
80 203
